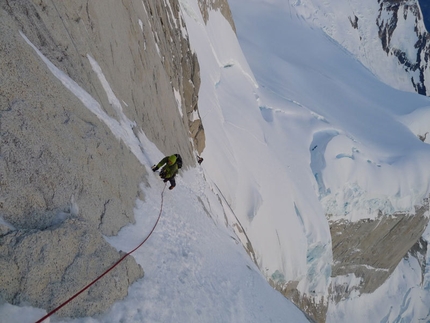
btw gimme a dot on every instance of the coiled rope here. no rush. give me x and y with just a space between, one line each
109 269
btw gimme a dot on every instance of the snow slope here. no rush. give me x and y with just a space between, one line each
304 133
307 130
362 144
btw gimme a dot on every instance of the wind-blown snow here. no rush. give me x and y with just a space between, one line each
296 128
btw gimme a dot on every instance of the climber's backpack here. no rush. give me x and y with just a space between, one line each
178 160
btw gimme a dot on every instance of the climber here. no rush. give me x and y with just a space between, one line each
199 159
170 166
423 138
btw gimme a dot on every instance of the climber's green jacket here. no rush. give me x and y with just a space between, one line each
170 167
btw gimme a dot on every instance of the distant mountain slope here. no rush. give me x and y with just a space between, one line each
387 36
425 9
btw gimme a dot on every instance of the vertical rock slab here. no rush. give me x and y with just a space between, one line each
65 179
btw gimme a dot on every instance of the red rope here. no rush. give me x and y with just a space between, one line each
108 270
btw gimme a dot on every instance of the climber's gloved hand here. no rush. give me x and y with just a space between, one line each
154 168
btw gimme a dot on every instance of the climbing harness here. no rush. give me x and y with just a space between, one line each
109 269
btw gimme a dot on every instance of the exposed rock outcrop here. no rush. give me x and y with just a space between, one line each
372 249
65 179
222 5
390 11
368 250
315 310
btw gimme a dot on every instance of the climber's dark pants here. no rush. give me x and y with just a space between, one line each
171 180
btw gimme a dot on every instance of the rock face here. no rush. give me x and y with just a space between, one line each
389 19
369 250
65 179
45 264
222 5
372 249
180 65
